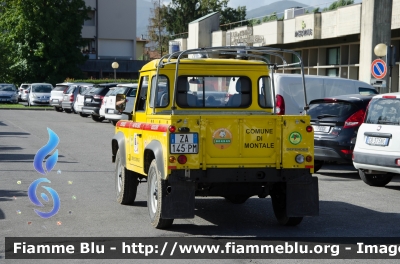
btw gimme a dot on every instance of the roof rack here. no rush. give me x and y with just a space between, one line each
257 53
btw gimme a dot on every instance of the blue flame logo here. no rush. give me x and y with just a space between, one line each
44 151
34 199
49 164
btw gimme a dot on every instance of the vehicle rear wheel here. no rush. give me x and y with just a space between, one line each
237 199
68 111
155 191
83 115
73 110
318 165
278 197
126 182
58 109
378 180
97 118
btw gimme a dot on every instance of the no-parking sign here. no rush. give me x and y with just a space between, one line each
378 69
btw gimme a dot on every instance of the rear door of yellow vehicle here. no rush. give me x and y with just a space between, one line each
240 140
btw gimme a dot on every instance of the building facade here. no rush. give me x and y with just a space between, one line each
110 34
329 43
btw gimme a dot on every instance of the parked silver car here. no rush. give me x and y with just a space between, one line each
39 94
71 95
8 93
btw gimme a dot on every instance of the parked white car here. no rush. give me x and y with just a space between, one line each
80 100
377 154
40 94
129 89
57 95
21 90
102 110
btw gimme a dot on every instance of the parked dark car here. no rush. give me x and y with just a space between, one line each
93 100
336 121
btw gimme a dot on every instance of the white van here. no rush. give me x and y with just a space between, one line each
289 90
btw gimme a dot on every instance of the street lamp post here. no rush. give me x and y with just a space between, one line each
382 50
115 66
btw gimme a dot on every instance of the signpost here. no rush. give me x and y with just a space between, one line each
378 69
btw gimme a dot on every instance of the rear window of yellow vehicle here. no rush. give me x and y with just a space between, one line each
213 92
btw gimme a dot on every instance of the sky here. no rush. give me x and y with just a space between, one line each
257 3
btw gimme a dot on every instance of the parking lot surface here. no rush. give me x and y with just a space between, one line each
84 180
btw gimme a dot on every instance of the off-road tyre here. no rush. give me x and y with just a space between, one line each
155 191
126 182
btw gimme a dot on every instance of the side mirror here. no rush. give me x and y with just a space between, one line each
120 102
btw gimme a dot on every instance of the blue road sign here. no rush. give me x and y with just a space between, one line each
378 69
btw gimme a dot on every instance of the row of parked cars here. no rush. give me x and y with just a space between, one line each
94 100
362 129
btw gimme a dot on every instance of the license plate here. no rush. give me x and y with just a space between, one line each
321 128
55 100
44 101
184 143
88 100
377 141
110 111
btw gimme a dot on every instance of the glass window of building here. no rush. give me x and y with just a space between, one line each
333 56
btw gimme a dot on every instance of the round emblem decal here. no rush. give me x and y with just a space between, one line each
222 138
295 138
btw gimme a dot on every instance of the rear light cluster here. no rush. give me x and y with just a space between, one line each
71 98
300 158
398 162
346 151
355 119
280 105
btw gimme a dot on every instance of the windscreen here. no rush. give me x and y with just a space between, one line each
383 111
60 88
41 89
7 87
98 91
330 109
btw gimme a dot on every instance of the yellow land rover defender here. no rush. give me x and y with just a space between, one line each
205 124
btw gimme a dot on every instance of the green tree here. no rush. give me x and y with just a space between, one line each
42 38
181 12
230 15
158 36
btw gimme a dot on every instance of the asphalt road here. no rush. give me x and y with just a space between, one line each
84 180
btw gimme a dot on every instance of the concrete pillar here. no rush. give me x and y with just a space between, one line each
376 19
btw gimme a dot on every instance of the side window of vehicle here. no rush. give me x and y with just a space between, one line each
265 92
133 92
141 100
159 91
367 91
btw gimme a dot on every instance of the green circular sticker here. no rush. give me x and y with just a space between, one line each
295 138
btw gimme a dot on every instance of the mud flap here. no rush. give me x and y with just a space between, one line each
302 198
179 203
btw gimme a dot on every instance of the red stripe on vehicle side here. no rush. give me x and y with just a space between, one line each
309 166
143 126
